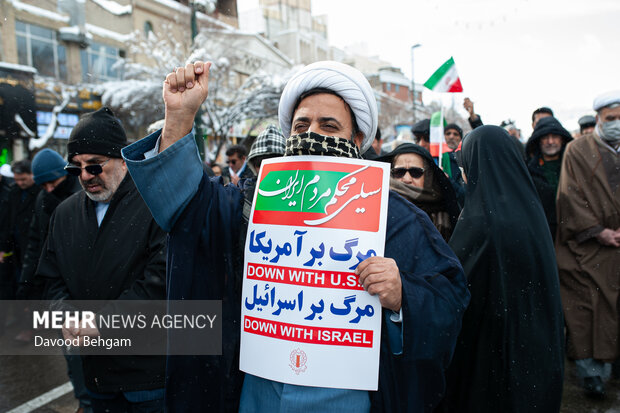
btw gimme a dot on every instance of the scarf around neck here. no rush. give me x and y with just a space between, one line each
310 143
428 200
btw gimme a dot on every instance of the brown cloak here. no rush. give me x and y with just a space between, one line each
588 201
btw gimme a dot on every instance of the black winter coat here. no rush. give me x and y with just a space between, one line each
45 204
546 191
6 184
6 269
123 259
5 187
14 229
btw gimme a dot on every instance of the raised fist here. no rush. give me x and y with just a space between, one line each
186 88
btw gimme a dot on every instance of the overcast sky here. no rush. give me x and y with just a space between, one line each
512 56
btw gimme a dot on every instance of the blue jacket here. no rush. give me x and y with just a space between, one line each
205 257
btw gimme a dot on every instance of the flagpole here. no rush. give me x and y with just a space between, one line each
442 138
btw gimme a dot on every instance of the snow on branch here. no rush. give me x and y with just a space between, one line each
238 88
23 125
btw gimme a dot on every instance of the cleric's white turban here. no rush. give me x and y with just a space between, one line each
346 81
606 100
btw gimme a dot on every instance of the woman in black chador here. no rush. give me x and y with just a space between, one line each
509 356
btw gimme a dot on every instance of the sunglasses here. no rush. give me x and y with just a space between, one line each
95 169
415 172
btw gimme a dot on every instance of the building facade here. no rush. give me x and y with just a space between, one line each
73 45
291 27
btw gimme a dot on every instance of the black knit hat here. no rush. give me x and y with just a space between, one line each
97 133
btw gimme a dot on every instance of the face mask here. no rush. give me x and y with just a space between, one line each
310 143
610 131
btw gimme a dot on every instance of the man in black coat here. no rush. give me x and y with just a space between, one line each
103 244
48 169
453 135
6 183
546 148
49 173
15 225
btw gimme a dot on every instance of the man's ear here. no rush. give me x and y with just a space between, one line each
359 139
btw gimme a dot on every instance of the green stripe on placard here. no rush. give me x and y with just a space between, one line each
305 192
436 77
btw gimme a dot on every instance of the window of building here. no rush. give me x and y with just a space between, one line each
38 47
396 88
66 122
148 27
98 63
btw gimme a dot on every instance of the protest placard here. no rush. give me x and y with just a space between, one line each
306 320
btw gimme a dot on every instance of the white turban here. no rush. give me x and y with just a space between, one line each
606 99
346 81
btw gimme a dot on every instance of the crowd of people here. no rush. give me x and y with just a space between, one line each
501 259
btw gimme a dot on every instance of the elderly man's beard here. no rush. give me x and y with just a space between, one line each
551 149
108 187
453 144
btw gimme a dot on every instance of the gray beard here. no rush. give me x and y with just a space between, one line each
109 188
552 154
105 195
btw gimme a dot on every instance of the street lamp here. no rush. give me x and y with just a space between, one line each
413 81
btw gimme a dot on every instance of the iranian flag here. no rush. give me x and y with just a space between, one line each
438 122
445 79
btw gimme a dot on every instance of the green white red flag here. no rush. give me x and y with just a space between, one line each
438 122
445 79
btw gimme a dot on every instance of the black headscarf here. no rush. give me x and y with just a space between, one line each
436 197
509 356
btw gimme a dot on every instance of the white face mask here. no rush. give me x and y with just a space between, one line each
610 131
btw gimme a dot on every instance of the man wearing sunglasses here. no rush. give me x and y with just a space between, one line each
237 166
103 244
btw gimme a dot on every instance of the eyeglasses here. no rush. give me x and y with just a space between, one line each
231 161
95 169
415 172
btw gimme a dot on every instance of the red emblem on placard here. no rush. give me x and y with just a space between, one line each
298 360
